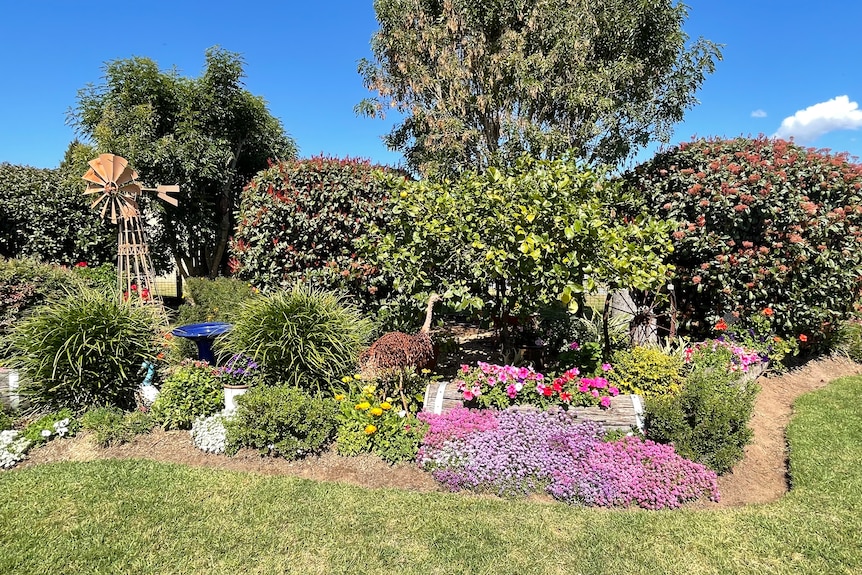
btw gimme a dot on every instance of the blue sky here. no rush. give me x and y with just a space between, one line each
789 67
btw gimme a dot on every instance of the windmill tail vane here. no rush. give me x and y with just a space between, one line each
115 190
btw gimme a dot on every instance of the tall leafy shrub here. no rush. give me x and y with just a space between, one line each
301 219
501 242
304 336
45 215
84 350
767 228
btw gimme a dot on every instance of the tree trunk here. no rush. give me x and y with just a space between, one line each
226 213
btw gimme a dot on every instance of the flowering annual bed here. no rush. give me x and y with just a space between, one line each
518 452
501 386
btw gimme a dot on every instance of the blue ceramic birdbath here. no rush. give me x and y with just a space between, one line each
203 334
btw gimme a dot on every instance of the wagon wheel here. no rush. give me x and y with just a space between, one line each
651 314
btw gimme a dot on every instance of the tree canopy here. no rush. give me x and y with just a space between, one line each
209 135
483 81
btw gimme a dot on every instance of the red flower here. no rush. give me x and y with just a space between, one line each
721 325
81 265
803 338
768 312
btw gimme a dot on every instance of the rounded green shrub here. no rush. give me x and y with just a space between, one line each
646 371
281 420
707 421
304 336
192 390
299 221
84 350
763 224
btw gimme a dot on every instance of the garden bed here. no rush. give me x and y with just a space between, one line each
760 477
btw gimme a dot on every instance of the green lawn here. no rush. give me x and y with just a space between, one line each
144 517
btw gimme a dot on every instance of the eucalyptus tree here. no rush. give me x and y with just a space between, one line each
208 134
481 82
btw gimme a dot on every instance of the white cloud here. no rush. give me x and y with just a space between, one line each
807 125
758 113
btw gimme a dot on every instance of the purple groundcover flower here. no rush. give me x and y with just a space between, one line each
517 452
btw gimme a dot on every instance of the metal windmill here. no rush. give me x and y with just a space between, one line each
114 185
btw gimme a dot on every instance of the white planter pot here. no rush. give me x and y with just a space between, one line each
231 392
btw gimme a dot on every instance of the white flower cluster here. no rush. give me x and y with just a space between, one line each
209 434
12 448
61 428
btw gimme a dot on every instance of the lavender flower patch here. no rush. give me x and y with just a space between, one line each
630 472
516 452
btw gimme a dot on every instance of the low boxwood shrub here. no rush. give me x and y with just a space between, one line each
707 421
191 390
303 336
84 350
112 426
764 224
281 420
646 371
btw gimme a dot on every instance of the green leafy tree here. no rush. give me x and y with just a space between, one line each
482 82
509 242
209 135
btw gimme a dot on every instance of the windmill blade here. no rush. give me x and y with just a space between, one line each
93 176
100 168
118 166
99 199
125 177
131 189
94 189
113 212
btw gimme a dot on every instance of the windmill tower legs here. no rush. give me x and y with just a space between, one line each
135 274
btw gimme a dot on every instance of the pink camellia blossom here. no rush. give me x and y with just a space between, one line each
605 401
606 367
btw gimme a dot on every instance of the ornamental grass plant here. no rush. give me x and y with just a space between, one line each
84 350
302 336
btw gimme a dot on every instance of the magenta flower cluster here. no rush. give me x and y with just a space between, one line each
501 386
518 452
741 359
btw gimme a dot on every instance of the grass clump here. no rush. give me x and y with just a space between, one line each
84 350
303 337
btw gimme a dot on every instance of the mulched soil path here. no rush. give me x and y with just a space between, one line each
759 478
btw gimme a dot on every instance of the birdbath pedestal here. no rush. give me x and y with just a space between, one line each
203 334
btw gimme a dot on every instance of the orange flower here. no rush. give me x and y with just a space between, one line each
160 356
721 325
768 312
169 335
803 338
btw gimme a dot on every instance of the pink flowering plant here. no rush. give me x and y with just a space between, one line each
721 353
501 386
